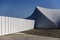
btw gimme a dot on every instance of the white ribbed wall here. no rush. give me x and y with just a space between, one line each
10 25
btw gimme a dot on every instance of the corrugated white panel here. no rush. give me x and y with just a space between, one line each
3 25
25 24
16 25
10 25
19 24
7 25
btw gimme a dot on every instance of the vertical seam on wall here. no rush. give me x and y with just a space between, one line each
8 24
1 25
13 25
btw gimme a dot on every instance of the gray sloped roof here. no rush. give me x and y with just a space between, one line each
46 18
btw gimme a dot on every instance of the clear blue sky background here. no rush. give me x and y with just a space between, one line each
24 8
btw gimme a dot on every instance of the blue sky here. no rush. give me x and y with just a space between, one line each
24 8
